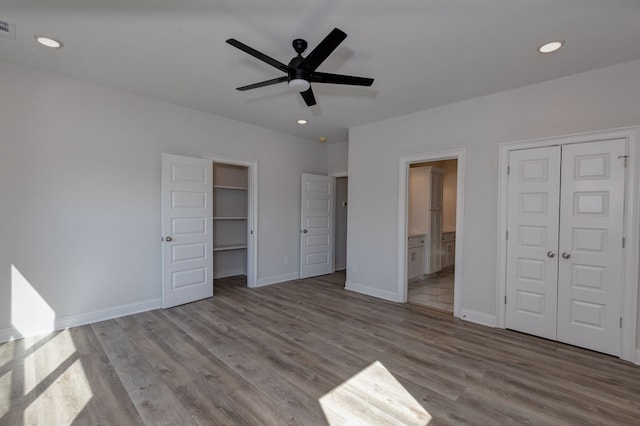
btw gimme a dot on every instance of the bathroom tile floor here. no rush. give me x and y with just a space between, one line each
434 291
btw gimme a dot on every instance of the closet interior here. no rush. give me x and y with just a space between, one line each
230 219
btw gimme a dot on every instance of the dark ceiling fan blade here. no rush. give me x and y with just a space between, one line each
253 52
263 83
323 50
308 97
323 77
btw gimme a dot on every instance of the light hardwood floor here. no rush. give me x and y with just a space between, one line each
307 352
433 291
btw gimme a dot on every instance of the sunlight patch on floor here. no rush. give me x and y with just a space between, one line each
30 313
373 396
46 359
5 397
63 400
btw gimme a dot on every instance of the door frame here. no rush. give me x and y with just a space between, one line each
334 176
404 164
629 302
252 212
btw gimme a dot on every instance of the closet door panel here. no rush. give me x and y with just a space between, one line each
590 246
533 240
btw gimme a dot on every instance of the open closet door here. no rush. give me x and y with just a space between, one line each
187 237
316 222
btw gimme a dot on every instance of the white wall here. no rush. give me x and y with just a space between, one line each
599 99
337 157
80 185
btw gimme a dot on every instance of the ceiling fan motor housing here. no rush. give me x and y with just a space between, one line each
298 74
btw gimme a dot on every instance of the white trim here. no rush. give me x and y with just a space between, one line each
403 177
278 279
479 318
77 320
637 360
252 214
107 314
632 225
374 292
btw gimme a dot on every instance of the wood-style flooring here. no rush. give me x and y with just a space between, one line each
307 352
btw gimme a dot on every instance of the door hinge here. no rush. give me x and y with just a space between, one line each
507 235
620 322
508 170
626 159
623 242
251 232
505 300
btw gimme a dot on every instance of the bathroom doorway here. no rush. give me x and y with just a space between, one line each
431 234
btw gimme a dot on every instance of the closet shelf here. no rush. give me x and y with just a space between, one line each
229 218
230 247
229 187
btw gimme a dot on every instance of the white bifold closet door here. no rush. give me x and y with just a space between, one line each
565 243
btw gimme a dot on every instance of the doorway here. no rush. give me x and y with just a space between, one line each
234 206
430 230
431 234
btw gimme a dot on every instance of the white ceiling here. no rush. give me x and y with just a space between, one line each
422 53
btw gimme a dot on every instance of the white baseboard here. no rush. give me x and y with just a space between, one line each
277 279
107 314
7 334
479 318
229 273
369 291
77 320
341 267
637 361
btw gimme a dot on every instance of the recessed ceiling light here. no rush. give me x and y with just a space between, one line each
302 121
551 46
48 41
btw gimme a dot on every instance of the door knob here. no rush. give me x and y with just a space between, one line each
168 239
566 255
551 254
304 231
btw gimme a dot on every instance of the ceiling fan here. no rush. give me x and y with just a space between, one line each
301 71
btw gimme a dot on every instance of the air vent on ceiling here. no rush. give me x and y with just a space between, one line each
7 30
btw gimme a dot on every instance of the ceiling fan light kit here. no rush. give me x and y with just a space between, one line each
301 71
299 84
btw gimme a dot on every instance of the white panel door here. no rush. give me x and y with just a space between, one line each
591 232
187 215
533 241
316 234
